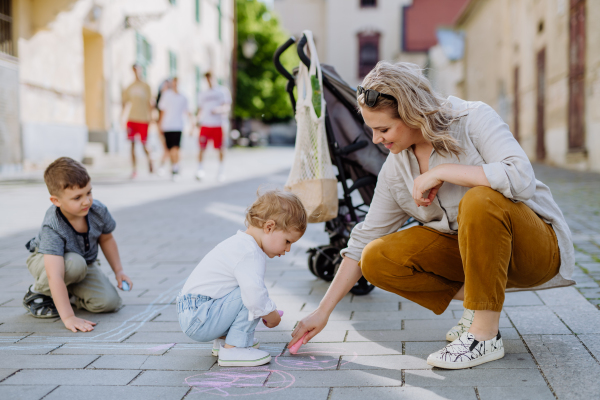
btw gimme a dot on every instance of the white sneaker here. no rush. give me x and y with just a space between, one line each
200 174
217 343
242 357
467 352
463 326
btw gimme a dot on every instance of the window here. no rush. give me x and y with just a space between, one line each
368 3
143 52
172 64
197 11
368 52
6 37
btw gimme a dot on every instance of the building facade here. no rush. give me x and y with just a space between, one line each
537 63
351 35
73 59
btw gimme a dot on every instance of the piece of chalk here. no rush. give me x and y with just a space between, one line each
125 286
280 314
294 349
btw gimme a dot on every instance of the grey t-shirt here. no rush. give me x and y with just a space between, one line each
57 236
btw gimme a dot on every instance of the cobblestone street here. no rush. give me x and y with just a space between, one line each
374 346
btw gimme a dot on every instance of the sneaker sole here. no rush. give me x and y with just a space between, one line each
242 363
467 364
215 352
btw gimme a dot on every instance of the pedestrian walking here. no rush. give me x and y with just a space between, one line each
174 108
166 84
213 106
138 96
488 224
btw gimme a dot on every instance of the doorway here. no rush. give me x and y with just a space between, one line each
93 68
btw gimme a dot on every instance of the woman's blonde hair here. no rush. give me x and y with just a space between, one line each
284 208
417 104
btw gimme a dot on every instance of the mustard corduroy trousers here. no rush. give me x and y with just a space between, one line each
500 244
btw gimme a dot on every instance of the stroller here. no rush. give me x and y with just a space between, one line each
354 154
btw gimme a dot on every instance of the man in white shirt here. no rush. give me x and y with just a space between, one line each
174 107
213 106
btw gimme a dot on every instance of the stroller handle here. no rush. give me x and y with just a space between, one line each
303 57
277 55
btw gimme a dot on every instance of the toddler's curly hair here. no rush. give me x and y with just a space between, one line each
285 208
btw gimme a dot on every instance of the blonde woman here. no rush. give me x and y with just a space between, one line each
488 224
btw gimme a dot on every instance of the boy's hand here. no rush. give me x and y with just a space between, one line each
273 319
74 324
122 277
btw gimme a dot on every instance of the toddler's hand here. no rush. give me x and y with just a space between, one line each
272 319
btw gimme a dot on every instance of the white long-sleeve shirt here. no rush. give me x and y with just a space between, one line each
487 141
235 262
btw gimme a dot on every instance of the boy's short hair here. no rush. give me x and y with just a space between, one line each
64 173
284 208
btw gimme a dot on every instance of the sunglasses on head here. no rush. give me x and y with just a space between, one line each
371 96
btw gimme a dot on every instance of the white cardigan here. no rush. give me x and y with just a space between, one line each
486 141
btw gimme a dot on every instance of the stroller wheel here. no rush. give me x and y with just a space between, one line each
325 262
362 287
311 261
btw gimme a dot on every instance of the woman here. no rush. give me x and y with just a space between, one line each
488 224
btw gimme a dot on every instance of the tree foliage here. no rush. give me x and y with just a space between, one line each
260 89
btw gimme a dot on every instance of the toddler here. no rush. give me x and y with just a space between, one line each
225 296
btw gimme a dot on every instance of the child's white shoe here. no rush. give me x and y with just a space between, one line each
242 357
217 343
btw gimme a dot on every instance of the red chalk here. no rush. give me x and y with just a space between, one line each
294 349
280 314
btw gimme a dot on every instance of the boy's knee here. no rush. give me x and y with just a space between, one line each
75 268
110 302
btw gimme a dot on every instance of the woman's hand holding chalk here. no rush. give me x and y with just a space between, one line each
125 286
280 314
294 349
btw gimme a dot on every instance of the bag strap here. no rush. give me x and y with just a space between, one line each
315 69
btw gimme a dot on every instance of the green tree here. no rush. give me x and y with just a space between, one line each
260 89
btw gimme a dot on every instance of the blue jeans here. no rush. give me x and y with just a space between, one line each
204 319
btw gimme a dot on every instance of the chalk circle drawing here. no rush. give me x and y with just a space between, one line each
308 359
221 382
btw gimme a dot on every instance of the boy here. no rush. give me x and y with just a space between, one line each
225 296
64 261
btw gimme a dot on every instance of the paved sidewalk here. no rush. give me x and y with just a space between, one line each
374 346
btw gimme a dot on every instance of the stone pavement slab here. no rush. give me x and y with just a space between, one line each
404 393
71 377
27 392
117 392
473 377
515 393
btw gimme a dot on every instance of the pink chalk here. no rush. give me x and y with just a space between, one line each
294 349
280 314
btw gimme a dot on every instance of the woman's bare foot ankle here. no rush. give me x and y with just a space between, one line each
485 324
227 346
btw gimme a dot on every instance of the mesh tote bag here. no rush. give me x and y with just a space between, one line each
312 178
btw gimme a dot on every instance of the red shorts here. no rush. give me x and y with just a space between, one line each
137 128
209 132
